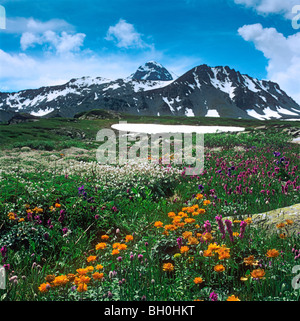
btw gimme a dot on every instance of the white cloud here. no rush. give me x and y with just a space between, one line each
283 54
20 25
125 36
61 44
266 7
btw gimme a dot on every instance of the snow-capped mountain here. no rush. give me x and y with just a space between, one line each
153 90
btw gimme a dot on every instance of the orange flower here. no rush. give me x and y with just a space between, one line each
60 280
82 287
122 247
282 235
190 220
219 268
128 238
158 224
208 253
280 225
89 268
57 205
223 252
171 214
206 202
91 259
192 241
199 196
184 249
98 276
116 245
104 237
100 246
168 267
250 260
82 271
207 236
233 298
82 279
187 234
289 222
115 252
44 287
258 273
272 253
99 267
201 211
198 280
170 227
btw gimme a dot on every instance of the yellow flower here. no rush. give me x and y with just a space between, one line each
91 259
177 255
168 267
158 224
272 253
219 268
184 249
100 246
233 298
198 280
128 238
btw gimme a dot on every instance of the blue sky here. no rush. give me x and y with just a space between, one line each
49 42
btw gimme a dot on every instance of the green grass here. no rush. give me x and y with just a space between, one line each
128 202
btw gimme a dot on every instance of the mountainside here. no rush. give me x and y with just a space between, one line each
153 90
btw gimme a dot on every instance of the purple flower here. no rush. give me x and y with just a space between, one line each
229 229
65 230
179 242
213 296
242 229
221 225
207 226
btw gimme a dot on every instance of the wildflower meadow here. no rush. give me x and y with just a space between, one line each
71 229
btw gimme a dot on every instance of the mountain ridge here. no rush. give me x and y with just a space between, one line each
152 90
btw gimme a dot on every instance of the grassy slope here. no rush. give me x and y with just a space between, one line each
52 132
